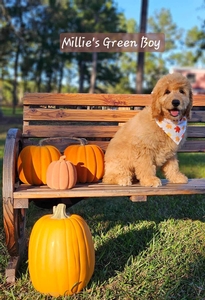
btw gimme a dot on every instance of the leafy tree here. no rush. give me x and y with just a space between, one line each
47 60
96 16
195 39
156 63
13 29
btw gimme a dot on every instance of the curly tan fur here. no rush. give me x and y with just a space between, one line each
140 146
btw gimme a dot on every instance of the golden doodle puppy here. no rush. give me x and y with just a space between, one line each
151 138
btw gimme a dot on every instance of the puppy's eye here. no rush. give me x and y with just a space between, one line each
167 92
181 91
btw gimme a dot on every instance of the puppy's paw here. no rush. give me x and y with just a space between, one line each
116 179
151 181
179 178
124 181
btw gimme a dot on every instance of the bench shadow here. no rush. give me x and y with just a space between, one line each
156 208
113 256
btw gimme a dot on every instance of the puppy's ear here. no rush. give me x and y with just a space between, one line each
156 107
189 107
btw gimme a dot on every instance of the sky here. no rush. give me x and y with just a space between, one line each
185 13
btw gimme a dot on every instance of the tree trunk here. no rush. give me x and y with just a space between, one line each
81 75
49 82
15 81
140 58
60 77
93 73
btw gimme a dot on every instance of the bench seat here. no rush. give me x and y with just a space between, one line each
194 186
55 118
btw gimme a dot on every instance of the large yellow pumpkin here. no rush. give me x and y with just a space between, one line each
33 162
88 159
61 174
61 255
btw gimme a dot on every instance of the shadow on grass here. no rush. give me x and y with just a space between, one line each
157 209
114 254
134 224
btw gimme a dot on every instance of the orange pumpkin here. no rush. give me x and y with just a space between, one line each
33 162
61 174
61 255
88 159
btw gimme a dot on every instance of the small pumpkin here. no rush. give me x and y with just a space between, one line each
33 161
61 255
61 174
88 159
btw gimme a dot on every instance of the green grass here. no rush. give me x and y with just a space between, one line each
7 111
144 251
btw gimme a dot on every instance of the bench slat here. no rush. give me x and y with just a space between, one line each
42 114
88 131
189 146
48 114
94 99
194 186
198 116
86 99
193 146
61 144
196 132
70 131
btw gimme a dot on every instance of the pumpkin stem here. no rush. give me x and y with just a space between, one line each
59 212
82 141
63 157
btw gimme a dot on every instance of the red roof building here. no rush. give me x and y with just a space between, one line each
196 77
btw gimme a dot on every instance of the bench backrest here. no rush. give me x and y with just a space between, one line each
95 117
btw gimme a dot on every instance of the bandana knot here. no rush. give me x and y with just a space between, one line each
175 130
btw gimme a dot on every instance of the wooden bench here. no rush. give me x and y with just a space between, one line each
95 117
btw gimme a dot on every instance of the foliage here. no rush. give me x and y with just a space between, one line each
30 33
31 60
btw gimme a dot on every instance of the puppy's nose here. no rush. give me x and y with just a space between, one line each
175 102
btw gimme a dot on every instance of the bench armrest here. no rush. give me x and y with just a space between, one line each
11 151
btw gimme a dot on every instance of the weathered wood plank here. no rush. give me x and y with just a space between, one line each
193 146
43 114
196 131
12 268
95 99
61 143
141 198
9 176
189 146
69 131
194 186
89 131
21 203
48 114
198 116
86 99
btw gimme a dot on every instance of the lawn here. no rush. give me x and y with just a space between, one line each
144 251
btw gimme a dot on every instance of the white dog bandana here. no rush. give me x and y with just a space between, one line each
175 130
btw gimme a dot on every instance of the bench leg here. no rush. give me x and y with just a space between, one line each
14 226
12 268
141 198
